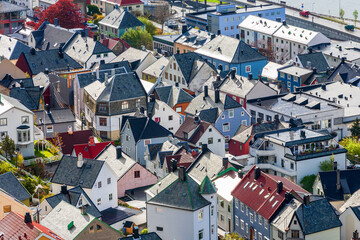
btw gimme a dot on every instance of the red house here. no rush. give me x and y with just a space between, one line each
12 17
239 144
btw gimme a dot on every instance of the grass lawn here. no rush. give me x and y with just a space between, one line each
43 154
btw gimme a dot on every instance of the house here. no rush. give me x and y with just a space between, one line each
90 150
95 177
116 45
76 196
54 60
299 106
182 157
257 199
165 43
11 48
129 174
106 102
228 53
137 133
312 60
191 39
15 226
50 36
154 71
52 121
197 133
270 72
293 77
345 72
119 21
337 50
138 59
8 204
167 117
9 68
295 153
12 17
11 185
107 6
87 51
312 218
175 97
17 122
350 221
193 204
74 223
224 183
219 109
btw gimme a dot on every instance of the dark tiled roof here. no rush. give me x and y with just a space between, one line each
162 156
146 236
61 115
245 53
164 93
189 125
90 77
184 97
73 198
100 48
318 216
121 19
316 59
69 140
356 211
30 97
154 149
114 215
328 182
51 60
206 186
48 36
8 82
146 128
181 194
231 103
7 7
114 65
209 115
346 72
12 48
10 184
68 173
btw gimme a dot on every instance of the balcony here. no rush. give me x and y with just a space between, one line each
291 173
265 152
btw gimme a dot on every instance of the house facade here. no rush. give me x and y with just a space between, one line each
166 116
294 77
12 18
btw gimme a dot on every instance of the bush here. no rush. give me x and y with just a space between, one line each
97 18
144 231
149 26
307 182
138 38
93 9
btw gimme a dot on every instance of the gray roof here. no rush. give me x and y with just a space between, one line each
30 97
146 128
49 36
61 115
11 48
194 38
316 60
209 115
157 67
12 186
69 174
73 198
121 19
173 95
166 39
7 7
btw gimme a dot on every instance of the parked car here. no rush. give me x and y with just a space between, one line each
304 13
182 19
349 27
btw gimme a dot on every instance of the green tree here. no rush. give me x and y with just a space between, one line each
342 13
327 165
355 129
149 26
8 147
19 160
233 236
144 231
138 38
356 15
29 184
92 9
307 182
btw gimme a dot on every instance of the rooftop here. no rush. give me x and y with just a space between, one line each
11 48
339 49
194 38
75 137
121 19
56 116
7 7
11 185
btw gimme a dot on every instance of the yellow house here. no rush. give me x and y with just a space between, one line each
136 7
9 203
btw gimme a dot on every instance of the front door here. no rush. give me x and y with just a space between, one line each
229 225
251 233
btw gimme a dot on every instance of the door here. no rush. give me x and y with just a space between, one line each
251 233
229 225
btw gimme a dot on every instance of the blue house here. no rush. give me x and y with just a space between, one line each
292 77
228 53
137 133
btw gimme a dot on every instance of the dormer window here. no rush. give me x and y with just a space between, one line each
124 105
186 135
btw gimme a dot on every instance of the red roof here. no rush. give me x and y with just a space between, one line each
183 158
188 126
69 140
111 42
126 2
91 151
13 227
261 194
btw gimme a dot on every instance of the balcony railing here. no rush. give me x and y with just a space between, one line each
291 173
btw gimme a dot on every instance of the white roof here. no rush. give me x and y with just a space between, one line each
225 184
95 89
80 48
7 103
353 201
270 70
349 49
131 54
258 24
148 86
157 67
296 71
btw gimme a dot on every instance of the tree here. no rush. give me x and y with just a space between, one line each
8 147
138 38
307 182
92 9
342 13
327 165
355 129
233 236
149 26
20 160
67 13
161 15
356 15
57 144
352 145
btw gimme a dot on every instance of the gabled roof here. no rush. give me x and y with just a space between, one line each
231 103
7 7
121 19
56 116
72 198
68 173
154 149
180 194
173 95
206 186
131 55
91 151
316 60
30 97
344 72
10 184
188 126
146 128
157 67
164 93
318 216
209 115
183 158
261 194
69 140
11 48
225 183
9 102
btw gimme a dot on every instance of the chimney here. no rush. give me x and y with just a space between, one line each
314 70
237 36
335 165
182 175
102 62
184 29
173 165
310 49
196 119
118 152
250 77
86 32
27 218
240 174
343 59
22 84
46 71
219 32
338 185
106 78
48 110
83 35
206 91
136 233
203 147
32 51
70 130
276 117
217 96
257 173
142 110
176 84
323 86
95 37
302 134
279 187
63 189
212 36
55 22
80 160
284 23
60 52
178 51
259 120
355 235
233 74
225 162
288 197
306 200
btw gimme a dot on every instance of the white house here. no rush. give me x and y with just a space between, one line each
95 177
180 208
17 122
166 116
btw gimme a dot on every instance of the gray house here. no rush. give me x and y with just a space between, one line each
137 133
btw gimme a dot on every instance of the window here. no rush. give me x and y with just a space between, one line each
7 208
210 129
231 113
91 230
242 206
170 76
226 127
201 234
25 120
229 208
247 228
260 220
102 107
212 210
170 117
99 184
292 165
98 56
280 235
236 203
138 103
137 174
201 215
49 129
166 75
125 105
108 180
105 54
222 203
222 217
260 236
243 122
248 68
103 122
251 218
98 228
110 196
210 140
3 121
147 142
159 229
178 109
237 220
265 224
242 224
295 233
175 66
157 119
99 201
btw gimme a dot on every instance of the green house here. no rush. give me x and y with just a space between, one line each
118 22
